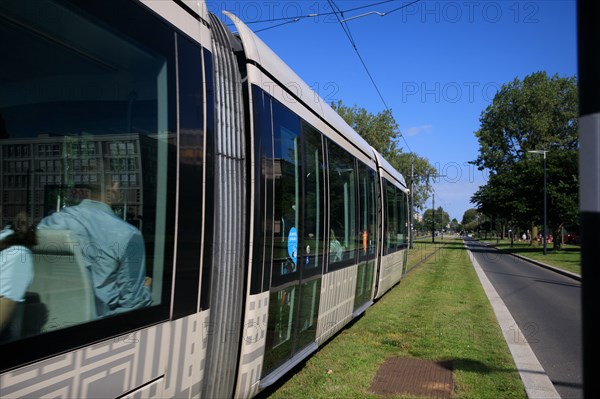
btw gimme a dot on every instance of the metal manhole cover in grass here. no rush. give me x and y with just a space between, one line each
416 377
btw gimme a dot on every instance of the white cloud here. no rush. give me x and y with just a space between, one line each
415 130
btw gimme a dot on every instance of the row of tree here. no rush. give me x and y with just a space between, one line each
538 113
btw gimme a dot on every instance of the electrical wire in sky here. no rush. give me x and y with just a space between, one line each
344 24
353 43
278 25
346 29
314 15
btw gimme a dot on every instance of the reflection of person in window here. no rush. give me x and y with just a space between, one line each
335 248
16 273
113 251
289 266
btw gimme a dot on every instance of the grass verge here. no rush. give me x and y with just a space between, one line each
438 312
568 258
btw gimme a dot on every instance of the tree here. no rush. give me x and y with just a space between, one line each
516 193
538 113
440 219
381 131
422 170
469 216
455 225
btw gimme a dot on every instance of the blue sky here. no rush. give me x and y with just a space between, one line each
437 65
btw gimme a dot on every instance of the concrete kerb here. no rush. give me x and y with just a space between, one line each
536 381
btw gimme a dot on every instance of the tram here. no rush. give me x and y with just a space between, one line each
267 223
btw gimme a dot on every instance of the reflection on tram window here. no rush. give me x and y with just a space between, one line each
368 243
86 108
342 220
287 167
395 227
313 237
281 322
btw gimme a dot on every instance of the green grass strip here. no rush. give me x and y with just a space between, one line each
439 312
568 258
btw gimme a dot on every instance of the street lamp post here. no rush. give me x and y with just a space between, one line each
433 207
544 234
411 216
433 218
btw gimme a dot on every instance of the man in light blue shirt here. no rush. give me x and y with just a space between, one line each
16 273
113 251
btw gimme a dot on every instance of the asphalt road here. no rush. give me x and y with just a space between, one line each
547 307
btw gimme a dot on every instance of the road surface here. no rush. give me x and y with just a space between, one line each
547 308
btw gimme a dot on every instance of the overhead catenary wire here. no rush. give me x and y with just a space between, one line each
382 14
343 22
353 43
278 25
346 29
321 14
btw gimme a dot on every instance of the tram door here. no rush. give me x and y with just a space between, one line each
298 236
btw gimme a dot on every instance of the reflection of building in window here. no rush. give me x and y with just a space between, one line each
38 173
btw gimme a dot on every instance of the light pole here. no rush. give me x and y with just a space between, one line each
544 153
433 207
411 216
433 218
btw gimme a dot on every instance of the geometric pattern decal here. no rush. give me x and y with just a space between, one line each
337 302
170 353
253 345
390 271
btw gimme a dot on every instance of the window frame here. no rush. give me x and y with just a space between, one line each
399 206
48 344
351 213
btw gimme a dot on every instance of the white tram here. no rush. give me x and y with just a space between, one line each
268 223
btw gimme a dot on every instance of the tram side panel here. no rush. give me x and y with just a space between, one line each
316 228
394 237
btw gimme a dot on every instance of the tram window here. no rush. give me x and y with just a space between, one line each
191 150
292 323
368 242
309 312
313 236
391 219
263 233
401 233
92 104
282 306
367 212
395 223
209 175
342 218
286 170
